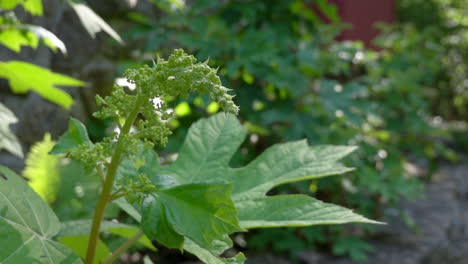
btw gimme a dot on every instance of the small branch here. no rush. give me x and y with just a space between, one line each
123 248
117 195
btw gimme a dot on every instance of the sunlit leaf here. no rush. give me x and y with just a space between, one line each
32 6
94 23
24 77
14 37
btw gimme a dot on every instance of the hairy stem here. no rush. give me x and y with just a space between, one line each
119 251
109 183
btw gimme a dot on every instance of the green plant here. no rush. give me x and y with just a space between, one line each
444 25
24 77
295 81
193 204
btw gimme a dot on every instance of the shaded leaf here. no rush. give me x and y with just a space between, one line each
156 225
201 212
206 255
79 244
210 258
128 208
24 77
83 227
8 140
75 136
29 224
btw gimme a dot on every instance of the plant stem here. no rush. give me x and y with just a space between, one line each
119 251
109 182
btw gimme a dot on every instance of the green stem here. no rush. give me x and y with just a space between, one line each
116 196
122 249
109 182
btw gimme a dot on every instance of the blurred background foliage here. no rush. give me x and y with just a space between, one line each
404 102
293 81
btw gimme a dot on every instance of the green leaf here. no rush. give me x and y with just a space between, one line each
83 227
204 159
42 171
32 6
75 136
128 208
24 77
8 140
293 210
16 36
208 257
94 23
201 212
157 227
205 156
79 244
128 231
170 5
28 223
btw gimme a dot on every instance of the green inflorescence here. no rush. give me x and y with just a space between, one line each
180 75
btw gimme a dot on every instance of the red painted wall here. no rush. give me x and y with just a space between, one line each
363 14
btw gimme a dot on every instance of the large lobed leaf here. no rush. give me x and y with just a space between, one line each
204 160
83 227
27 225
24 77
205 157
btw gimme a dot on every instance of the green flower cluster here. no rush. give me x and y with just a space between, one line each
178 76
